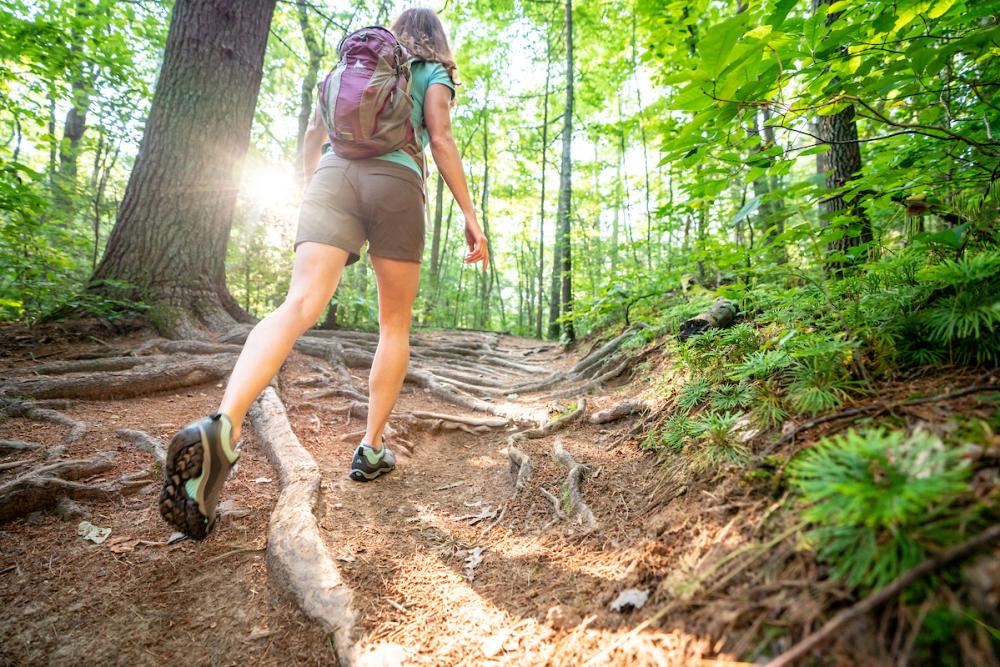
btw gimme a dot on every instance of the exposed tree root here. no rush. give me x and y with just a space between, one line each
347 392
448 393
632 406
556 424
145 442
104 365
43 485
188 347
577 507
884 594
31 410
297 558
584 368
139 380
520 465
7 446
554 502
598 382
490 422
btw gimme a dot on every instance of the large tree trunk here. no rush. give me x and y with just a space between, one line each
564 264
841 164
173 226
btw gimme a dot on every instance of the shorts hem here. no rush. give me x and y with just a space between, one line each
352 255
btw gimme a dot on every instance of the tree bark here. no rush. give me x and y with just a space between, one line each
721 314
564 258
841 164
541 206
170 239
316 53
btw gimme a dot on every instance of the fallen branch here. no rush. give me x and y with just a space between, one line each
721 314
145 442
624 409
877 408
885 594
577 507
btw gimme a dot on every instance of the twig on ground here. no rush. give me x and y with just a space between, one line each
885 594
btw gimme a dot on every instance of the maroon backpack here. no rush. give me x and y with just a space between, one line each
365 100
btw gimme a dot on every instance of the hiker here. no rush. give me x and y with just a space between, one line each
362 185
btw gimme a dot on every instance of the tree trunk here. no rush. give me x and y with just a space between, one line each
316 53
170 239
566 191
436 237
541 207
645 157
841 164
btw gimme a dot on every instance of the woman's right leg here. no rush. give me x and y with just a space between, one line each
315 275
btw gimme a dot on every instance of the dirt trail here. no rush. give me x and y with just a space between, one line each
449 565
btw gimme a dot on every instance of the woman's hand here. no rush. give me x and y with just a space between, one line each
478 245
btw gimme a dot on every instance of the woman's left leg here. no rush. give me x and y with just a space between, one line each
398 282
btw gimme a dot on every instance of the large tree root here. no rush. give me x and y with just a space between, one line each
7 446
577 507
884 594
139 380
43 485
297 558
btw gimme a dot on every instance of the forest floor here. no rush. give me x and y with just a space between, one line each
449 561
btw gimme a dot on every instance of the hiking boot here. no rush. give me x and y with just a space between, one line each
369 464
198 463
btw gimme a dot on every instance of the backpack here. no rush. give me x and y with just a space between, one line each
365 100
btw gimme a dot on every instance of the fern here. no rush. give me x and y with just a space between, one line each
879 500
763 364
716 444
693 393
730 396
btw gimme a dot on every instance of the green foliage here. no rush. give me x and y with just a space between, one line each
880 500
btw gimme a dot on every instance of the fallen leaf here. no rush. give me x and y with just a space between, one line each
95 534
123 544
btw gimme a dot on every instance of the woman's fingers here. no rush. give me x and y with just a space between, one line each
479 253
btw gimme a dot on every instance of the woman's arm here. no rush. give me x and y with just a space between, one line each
437 118
312 145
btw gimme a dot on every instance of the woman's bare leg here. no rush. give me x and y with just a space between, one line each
398 282
315 275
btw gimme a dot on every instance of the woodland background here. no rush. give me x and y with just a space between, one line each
829 167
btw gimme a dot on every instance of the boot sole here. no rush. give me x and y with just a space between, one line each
183 462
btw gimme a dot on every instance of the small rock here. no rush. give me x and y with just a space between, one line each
69 509
561 617
95 534
629 599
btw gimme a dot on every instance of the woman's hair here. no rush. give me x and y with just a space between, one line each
420 31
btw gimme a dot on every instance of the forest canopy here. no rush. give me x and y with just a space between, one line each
730 146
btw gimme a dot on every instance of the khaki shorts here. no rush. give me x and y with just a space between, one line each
350 201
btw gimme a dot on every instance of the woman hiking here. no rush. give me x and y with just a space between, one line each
347 202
